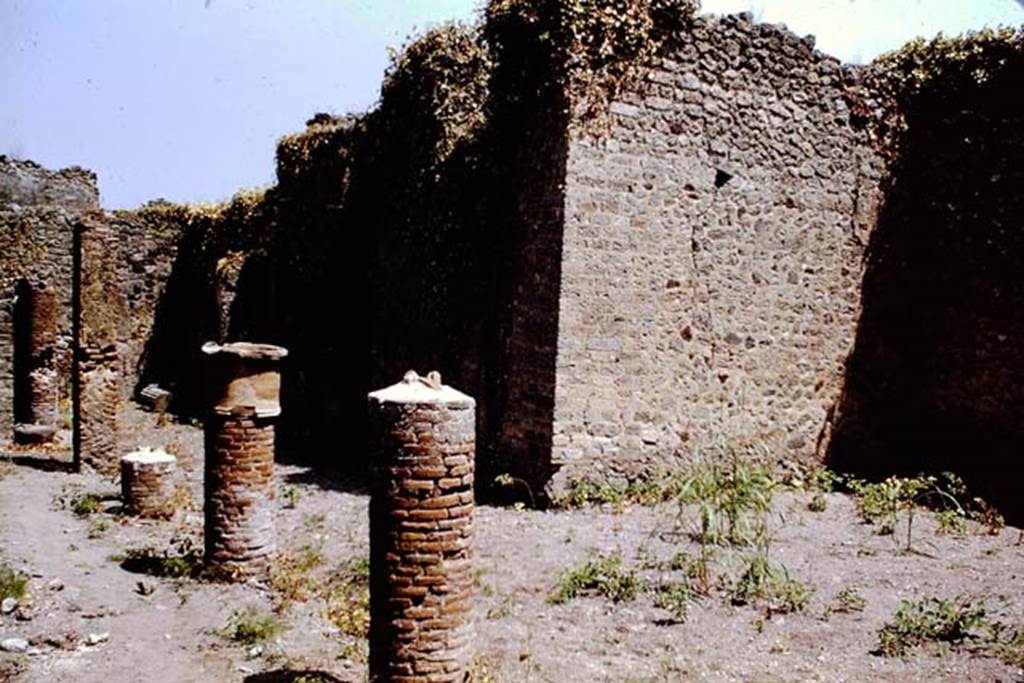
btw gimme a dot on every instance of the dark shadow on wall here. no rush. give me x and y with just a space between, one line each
22 323
185 318
936 378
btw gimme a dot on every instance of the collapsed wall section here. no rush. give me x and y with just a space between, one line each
711 257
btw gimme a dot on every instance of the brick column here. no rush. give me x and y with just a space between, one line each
6 368
421 529
238 487
96 375
147 483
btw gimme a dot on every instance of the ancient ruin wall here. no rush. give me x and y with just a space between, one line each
38 208
712 257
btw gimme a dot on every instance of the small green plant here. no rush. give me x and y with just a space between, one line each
818 502
13 584
503 608
162 564
347 593
603 575
98 528
952 522
733 501
290 574
771 586
507 481
86 504
676 598
251 625
847 601
291 495
881 503
583 493
932 621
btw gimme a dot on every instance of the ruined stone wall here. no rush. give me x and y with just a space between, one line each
149 246
26 184
712 257
38 209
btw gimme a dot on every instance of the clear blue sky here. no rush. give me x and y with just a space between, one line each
185 99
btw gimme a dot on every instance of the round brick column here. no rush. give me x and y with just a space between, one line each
421 531
238 483
147 483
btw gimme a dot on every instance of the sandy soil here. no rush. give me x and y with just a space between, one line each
88 619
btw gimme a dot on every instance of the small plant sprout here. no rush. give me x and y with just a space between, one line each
251 625
603 575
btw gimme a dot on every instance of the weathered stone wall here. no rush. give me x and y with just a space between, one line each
148 248
38 208
25 184
711 257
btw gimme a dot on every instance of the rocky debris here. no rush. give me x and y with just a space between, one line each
14 645
8 605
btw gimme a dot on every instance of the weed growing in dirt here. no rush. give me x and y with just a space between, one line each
818 502
163 564
290 574
503 608
291 494
513 484
251 625
12 584
585 493
184 562
881 503
348 597
676 598
86 504
847 601
931 620
957 622
763 583
98 528
603 575
733 501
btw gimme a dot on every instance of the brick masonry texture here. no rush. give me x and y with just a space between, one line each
6 369
97 388
39 380
421 535
148 485
239 491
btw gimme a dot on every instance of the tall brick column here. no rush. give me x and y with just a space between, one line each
6 368
96 376
421 531
245 384
36 407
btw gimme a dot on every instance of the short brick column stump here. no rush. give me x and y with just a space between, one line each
148 483
238 478
421 531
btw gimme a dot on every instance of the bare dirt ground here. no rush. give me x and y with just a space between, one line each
88 619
